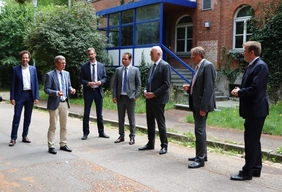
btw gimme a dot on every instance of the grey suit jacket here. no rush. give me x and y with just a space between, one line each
133 84
203 97
52 86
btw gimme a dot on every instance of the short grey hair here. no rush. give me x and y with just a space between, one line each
158 49
91 49
198 50
59 57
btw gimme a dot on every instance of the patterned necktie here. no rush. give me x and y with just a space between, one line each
124 80
194 79
63 85
151 77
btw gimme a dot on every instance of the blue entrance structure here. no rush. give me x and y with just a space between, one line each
136 27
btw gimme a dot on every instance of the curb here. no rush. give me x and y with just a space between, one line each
182 138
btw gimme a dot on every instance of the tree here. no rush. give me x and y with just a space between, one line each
14 19
266 29
69 32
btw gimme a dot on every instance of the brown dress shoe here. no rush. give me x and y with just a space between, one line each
12 143
26 140
120 139
132 141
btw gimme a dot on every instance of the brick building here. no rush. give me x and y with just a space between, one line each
177 26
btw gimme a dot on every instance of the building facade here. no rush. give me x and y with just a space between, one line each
177 26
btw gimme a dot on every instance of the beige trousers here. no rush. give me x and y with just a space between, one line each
61 112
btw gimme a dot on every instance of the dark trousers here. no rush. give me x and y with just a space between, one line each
27 102
126 104
156 112
252 134
201 136
89 97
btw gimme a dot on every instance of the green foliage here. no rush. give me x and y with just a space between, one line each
14 19
279 150
69 32
144 70
266 28
227 58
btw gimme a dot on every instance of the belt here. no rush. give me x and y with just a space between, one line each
27 90
95 89
62 101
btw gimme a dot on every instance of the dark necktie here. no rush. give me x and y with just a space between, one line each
194 79
124 80
150 78
63 84
93 72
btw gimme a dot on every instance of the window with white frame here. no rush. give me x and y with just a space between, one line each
207 4
184 34
241 27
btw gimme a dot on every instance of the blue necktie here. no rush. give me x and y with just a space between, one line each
124 81
150 78
63 84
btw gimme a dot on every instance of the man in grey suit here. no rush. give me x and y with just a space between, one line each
201 101
157 95
126 90
57 85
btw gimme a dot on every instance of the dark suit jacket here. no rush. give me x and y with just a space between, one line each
17 83
252 94
85 77
160 83
133 83
52 86
203 97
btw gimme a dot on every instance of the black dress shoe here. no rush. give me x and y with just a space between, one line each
104 135
84 137
256 173
52 151
194 158
12 143
26 140
196 164
146 147
240 177
65 148
120 139
132 141
163 151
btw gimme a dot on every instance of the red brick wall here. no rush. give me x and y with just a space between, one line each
105 4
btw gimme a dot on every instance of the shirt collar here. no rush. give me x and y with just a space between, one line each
253 61
158 61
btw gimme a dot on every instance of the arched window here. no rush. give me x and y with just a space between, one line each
183 34
241 26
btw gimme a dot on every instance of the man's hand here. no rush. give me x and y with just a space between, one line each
235 91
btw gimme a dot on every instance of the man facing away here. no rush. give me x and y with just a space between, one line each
157 95
57 85
126 90
253 107
24 92
201 102
92 77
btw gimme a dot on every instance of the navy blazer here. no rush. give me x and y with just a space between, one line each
16 90
160 83
52 86
252 93
85 77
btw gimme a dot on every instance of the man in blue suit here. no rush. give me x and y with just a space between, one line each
24 93
57 85
126 90
253 108
92 77
157 95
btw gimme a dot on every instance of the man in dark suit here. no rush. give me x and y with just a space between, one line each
126 90
253 108
201 102
92 77
157 95
57 85
24 93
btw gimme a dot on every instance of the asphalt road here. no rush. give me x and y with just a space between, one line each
99 164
